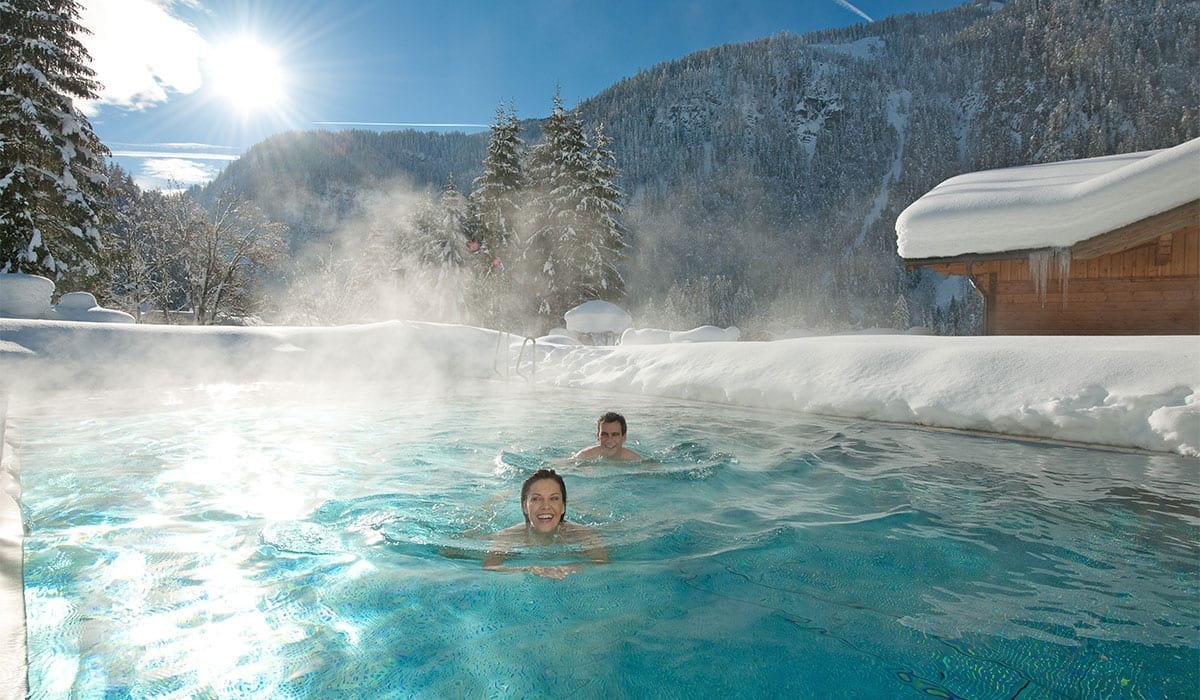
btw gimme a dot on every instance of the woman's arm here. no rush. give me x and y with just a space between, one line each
501 544
593 548
494 559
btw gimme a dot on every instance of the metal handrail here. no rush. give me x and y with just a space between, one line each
503 342
532 344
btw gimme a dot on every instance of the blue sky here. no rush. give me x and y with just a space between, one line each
172 114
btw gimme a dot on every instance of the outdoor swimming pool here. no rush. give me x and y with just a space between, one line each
264 541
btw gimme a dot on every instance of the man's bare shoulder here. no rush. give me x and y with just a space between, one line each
597 452
592 452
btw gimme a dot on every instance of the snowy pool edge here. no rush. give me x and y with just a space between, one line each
1140 392
13 659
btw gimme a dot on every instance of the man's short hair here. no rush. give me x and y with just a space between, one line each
612 417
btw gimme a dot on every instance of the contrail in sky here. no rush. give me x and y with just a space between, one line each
854 9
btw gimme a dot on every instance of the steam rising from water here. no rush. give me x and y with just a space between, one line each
413 357
368 270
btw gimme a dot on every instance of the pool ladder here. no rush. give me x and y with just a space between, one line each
500 357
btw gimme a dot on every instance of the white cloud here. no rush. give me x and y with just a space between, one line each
140 52
162 173
192 155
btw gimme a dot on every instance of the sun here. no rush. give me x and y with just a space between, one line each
246 74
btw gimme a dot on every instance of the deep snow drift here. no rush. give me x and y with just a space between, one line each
1134 392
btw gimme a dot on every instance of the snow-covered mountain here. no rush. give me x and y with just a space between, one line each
768 175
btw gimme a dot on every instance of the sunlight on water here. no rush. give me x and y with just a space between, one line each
256 541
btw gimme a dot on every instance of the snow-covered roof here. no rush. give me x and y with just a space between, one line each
1052 205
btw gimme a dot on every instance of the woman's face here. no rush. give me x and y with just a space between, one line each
544 506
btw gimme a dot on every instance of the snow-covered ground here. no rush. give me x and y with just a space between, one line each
1135 392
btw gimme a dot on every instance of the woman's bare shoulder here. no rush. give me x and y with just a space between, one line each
515 530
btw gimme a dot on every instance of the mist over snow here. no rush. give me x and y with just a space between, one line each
1129 392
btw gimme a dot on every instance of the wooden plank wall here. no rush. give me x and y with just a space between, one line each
1158 306
1152 289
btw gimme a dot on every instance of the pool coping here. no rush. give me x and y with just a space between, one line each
13 653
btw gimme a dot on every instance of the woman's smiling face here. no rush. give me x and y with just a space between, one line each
544 505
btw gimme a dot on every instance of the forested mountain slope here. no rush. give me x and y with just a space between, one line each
764 179
314 180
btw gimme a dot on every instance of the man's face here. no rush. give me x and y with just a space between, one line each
611 438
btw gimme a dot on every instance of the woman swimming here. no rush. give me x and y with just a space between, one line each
544 503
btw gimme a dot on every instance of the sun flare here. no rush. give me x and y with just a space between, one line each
247 75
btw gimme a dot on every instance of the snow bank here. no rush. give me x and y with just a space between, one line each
597 316
24 296
1139 392
645 336
706 334
658 336
82 306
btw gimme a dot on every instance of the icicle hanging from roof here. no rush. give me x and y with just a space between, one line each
1040 262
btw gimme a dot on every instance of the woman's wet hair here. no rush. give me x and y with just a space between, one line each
538 476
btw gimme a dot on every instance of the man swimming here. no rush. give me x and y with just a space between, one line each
610 439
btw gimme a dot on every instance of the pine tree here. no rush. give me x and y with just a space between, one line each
494 231
900 313
437 247
497 191
445 248
51 162
559 174
603 244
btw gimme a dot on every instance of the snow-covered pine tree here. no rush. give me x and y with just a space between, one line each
51 162
495 232
497 191
901 316
445 250
559 172
439 247
603 243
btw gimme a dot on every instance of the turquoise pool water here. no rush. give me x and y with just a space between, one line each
249 541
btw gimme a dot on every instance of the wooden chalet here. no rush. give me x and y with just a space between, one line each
1105 246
